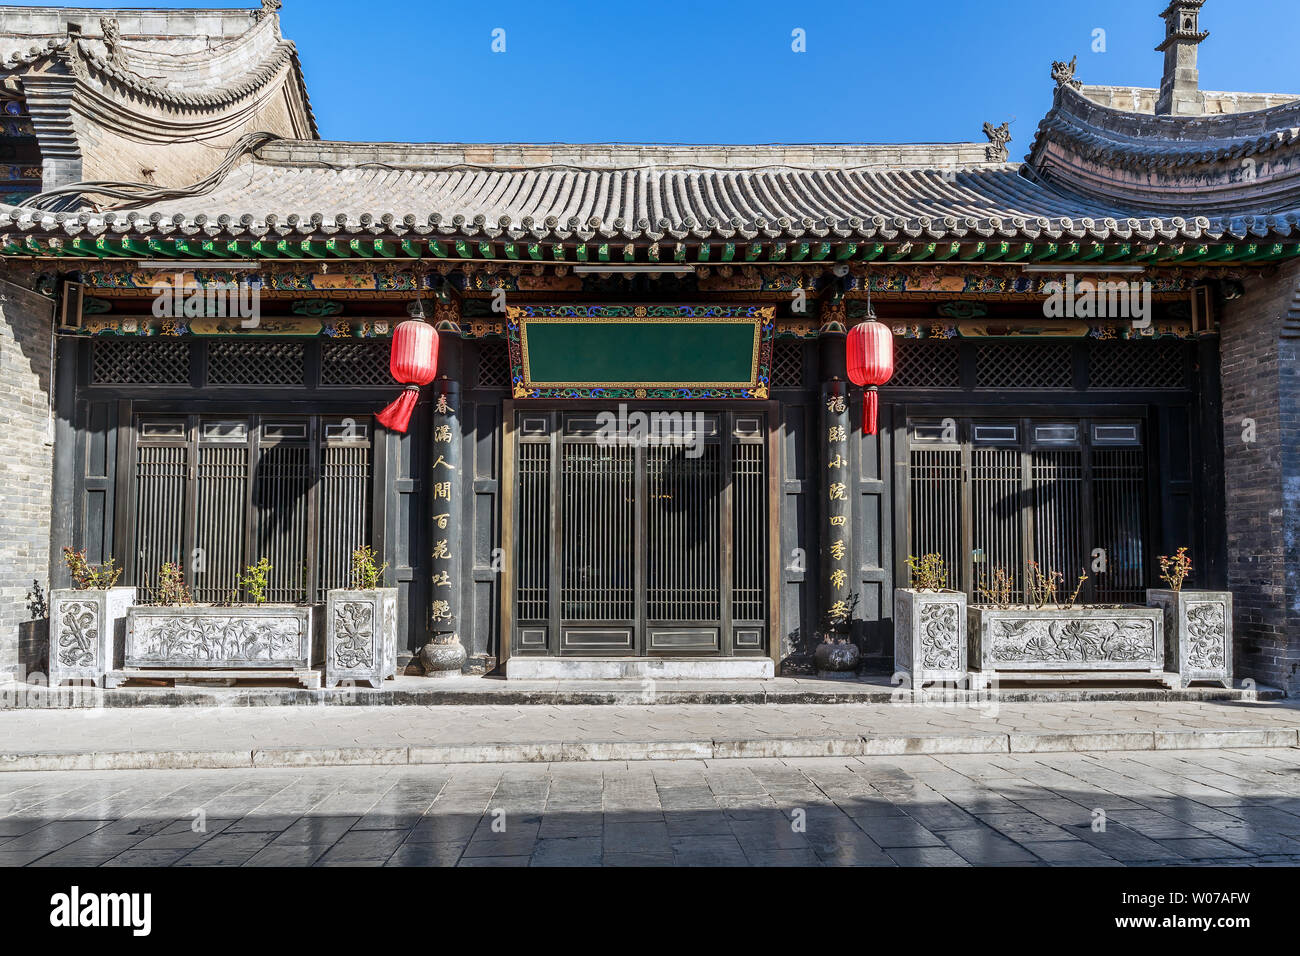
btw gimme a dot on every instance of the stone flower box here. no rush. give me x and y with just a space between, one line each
1198 633
86 633
209 637
1082 642
929 636
360 636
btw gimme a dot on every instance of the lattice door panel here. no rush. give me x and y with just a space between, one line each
920 363
534 531
130 361
787 364
1137 365
493 365
1015 365
993 494
936 489
598 580
1118 477
256 363
355 364
684 566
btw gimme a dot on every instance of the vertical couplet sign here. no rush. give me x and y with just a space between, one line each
444 484
836 550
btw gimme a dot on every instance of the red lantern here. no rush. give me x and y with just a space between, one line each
414 362
870 361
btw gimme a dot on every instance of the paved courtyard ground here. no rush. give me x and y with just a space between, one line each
1238 807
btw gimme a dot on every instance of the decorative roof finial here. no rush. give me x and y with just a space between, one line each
113 41
1063 72
1180 93
999 136
271 6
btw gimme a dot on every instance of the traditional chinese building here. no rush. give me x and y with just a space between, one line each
1030 417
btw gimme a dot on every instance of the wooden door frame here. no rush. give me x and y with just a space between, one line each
1082 412
509 508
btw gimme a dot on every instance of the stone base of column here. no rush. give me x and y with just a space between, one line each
443 656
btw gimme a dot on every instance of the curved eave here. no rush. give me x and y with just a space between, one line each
1142 141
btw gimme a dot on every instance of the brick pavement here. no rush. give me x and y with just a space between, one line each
1222 807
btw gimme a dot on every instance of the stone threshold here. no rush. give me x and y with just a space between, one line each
423 692
639 668
872 745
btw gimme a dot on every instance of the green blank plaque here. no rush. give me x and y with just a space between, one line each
640 352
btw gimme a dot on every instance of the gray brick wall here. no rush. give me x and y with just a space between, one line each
26 447
1261 381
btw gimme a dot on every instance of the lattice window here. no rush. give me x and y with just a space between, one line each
1016 365
355 363
140 362
920 363
255 363
493 365
787 363
1137 365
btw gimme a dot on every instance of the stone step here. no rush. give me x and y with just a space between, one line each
624 750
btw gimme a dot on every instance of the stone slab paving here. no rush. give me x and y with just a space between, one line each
147 738
1168 808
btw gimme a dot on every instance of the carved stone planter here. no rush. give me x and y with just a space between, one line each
1198 633
1079 643
86 633
929 636
203 636
360 636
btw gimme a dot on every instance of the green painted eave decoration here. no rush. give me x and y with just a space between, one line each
757 253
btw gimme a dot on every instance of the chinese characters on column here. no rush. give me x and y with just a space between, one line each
837 551
444 479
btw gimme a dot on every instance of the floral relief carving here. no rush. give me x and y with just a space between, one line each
354 635
940 636
1205 635
207 640
1074 641
78 633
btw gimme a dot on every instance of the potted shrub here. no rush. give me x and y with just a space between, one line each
929 625
1052 634
361 625
175 634
1198 624
86 629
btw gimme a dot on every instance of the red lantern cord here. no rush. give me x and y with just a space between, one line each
413 361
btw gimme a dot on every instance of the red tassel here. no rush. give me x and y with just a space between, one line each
869 410
397 416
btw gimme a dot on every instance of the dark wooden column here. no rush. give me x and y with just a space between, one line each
833 489
446 499
445 489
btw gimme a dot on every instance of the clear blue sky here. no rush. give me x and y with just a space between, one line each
716 71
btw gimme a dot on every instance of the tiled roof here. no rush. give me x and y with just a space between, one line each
631 193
